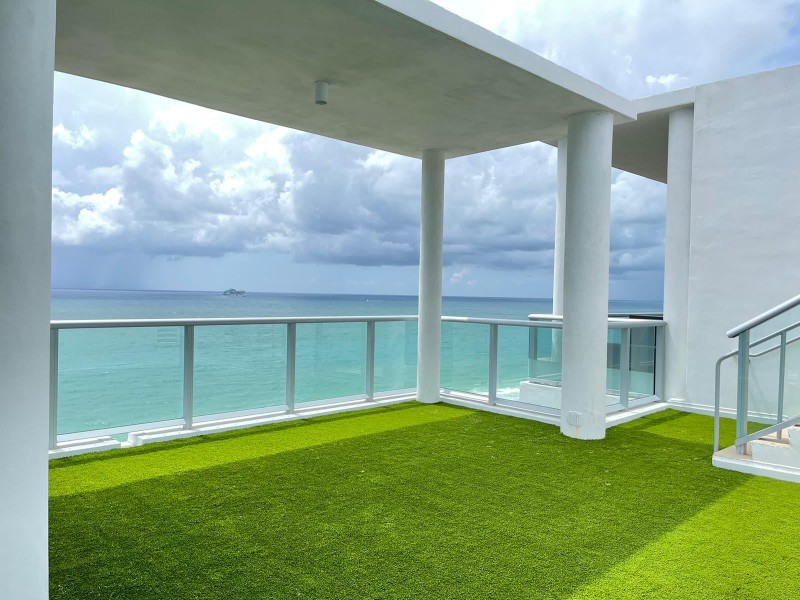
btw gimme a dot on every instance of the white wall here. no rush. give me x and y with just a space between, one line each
745 232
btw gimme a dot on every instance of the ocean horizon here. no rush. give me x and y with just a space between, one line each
69 303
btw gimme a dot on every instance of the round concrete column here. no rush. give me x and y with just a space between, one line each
586 259
676 251
431 248
558 249
27 52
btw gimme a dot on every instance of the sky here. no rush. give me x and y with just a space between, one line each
151 193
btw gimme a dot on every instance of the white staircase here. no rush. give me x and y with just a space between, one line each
775 450
783 451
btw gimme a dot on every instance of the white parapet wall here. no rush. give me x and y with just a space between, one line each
547 396
745 246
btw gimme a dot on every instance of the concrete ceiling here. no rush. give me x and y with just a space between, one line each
405 75
640 146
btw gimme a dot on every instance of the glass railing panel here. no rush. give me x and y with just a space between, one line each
613 355
544 354
110 378
642 362
764 381
547 342
395 356
331 361
239 367
465 357
791 389
512 361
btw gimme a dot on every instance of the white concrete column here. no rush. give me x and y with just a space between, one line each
27 52
676 250
558 250
431 249
586 260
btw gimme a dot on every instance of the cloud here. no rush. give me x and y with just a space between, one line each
665 82
82 138
459 275
193 182
148 177
639 47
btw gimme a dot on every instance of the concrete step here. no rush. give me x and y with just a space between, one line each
794 435
784 451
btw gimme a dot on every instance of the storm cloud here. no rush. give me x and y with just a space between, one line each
136 175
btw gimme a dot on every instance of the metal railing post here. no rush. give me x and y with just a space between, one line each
717 371
53 432
291 360
624 367
781 382
369 371
493 364
188 376
742 389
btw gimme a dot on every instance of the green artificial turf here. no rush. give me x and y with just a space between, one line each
418 501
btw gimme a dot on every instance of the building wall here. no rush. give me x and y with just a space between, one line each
745 236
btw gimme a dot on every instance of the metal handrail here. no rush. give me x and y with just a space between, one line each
111 323
717 376
548 321
211 321
767 430
778 333
716 396
485 321
764 317
768 350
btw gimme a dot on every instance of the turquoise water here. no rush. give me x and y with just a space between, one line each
123 377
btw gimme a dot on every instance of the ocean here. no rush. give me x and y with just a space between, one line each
119 378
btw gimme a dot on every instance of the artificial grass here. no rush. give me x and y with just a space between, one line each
421 501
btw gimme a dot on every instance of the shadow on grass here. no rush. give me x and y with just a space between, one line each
482 506
228 435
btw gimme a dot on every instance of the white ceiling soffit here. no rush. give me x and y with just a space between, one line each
404 75
641 146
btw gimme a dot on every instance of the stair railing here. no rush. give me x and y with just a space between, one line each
743 355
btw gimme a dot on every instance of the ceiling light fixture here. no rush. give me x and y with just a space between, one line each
321 92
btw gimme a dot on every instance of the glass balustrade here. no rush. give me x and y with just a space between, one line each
330 361
544 355
512 361
465 357
643 362
395 356
763 375
113 378
239 368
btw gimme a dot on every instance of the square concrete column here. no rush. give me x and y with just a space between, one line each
676 251
431 250
27 54
586 260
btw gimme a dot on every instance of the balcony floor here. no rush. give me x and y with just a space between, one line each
416 501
